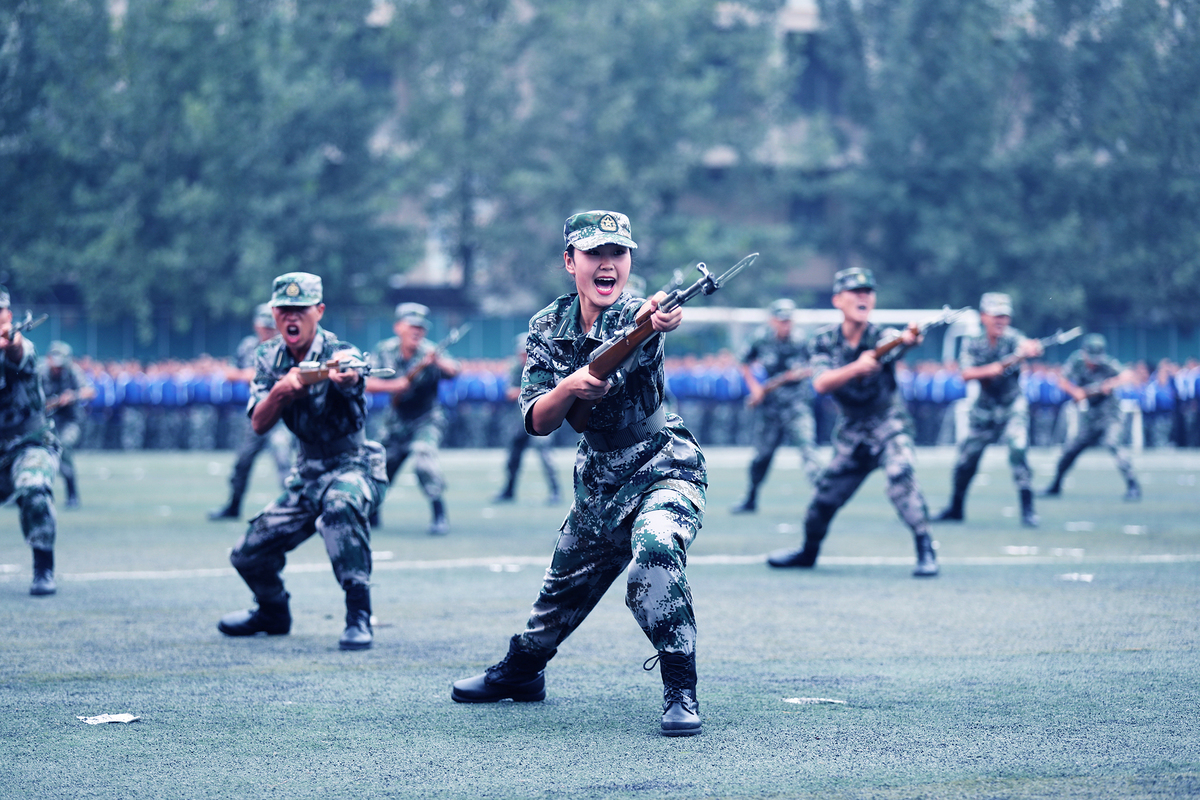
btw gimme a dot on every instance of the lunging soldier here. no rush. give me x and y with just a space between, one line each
338 476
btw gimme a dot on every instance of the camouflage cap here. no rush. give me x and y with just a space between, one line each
263 318
995 304
58 353
296 289
782 309
4 300
1094 344
414 314
848 280
594 228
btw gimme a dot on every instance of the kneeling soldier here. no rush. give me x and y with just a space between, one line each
338 478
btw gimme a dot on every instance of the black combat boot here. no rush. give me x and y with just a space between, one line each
357 635
231 510
1028 518
519 676
43 573
272 617
440 526
804 557
72 492
927 566
681 709
1133 492
954 511
749 504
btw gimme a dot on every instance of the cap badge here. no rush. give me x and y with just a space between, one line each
292 290
608 224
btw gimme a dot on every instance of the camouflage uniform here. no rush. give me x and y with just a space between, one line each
1000 412
415 421
277 439
337 479
1100 424
518 442
785 414
873 430
60 375
639 501
29 456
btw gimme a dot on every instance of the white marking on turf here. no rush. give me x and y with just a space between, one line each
813 701
514 564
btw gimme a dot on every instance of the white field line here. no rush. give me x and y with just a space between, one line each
498 563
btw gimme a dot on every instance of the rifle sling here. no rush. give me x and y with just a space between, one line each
333 447
607 441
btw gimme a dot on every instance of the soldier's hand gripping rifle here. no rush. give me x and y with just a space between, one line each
1013 361
29 323
313 372
618 352
430 357
947 316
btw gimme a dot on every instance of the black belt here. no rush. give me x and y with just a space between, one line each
334 447
605 441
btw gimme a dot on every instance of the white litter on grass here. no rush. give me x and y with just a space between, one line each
1082 577
1069 552
784 527
103 718
813 701
382 555
1008 511
214 468
1081 526
504 567
1020 550
1135 530
5 568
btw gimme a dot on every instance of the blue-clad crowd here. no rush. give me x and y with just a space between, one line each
193 405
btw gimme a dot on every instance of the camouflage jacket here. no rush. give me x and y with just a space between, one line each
22 403
777 357
70 378
866 396
421 397
977 352
610 484
328 412
1078 371
247 349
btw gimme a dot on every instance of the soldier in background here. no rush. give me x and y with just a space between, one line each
873 429
415 420
1001 410
521 439
338 477
277 439
29 450
782 404
1090 376
67 389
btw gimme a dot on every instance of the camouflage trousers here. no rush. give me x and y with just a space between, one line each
859 448
421 440
332 497
27 473
1103 431
652 542
774 427
518 443
278 440
1009 424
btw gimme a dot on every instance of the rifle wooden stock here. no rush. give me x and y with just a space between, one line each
882 350
782 379
604 365
313 375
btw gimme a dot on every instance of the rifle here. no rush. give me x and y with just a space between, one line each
29 323
1058 337
430 357
946 316
313 372
618 352
783 378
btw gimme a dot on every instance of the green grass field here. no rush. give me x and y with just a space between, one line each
1057 662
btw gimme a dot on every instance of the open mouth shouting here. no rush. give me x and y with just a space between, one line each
605 284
